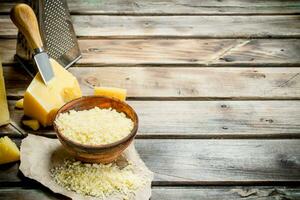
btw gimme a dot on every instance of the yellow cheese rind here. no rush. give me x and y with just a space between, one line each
41 101
9 151
19 104
4 113
32 123
113 92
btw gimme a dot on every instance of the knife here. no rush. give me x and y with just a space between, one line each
24 18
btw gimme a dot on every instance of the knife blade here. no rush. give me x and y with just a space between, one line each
42 62
24 18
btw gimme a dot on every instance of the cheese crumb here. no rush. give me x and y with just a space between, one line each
19 104
98 180
95 126
32 123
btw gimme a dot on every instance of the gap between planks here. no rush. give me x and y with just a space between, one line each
193 7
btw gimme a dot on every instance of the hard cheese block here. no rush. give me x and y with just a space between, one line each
4 114
118 93
9 151
42 101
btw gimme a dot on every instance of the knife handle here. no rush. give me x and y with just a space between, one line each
24 18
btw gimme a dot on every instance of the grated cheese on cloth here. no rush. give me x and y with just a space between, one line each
94 126
98 180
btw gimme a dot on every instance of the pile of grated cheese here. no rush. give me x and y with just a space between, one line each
94 126
98 180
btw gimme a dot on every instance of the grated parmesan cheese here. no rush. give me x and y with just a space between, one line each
94 126
98 180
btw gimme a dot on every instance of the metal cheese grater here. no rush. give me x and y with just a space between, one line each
57 33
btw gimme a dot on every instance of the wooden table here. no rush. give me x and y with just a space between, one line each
216 85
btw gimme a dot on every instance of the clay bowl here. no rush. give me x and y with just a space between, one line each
97 153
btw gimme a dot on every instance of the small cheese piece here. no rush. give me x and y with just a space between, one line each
113 92
9 151
42 101
19 104
4 114
32 123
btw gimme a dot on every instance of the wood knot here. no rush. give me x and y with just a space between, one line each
94 50
193 60
227 59
92 81
289 161
253 74
266 120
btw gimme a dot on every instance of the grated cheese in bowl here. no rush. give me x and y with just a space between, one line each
95 126
98 180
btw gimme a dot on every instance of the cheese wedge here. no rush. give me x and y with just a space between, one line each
19 104
113 92
9 151
41 101
4 114
32 123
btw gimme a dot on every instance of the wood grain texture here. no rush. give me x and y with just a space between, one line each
171 7
178 82
225 193
194 52
213 162
208 119
18 193
9 173
227 161
98 26
171 193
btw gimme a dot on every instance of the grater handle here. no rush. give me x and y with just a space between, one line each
24 18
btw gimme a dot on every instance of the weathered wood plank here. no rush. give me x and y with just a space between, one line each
187 26
9 173
176 26
29 194
209 119
178 82
218 117
171 193
171 7
7 51
215 162
225 193
227 161
196 52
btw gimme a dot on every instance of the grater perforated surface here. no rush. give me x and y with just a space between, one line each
57 32
58 35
